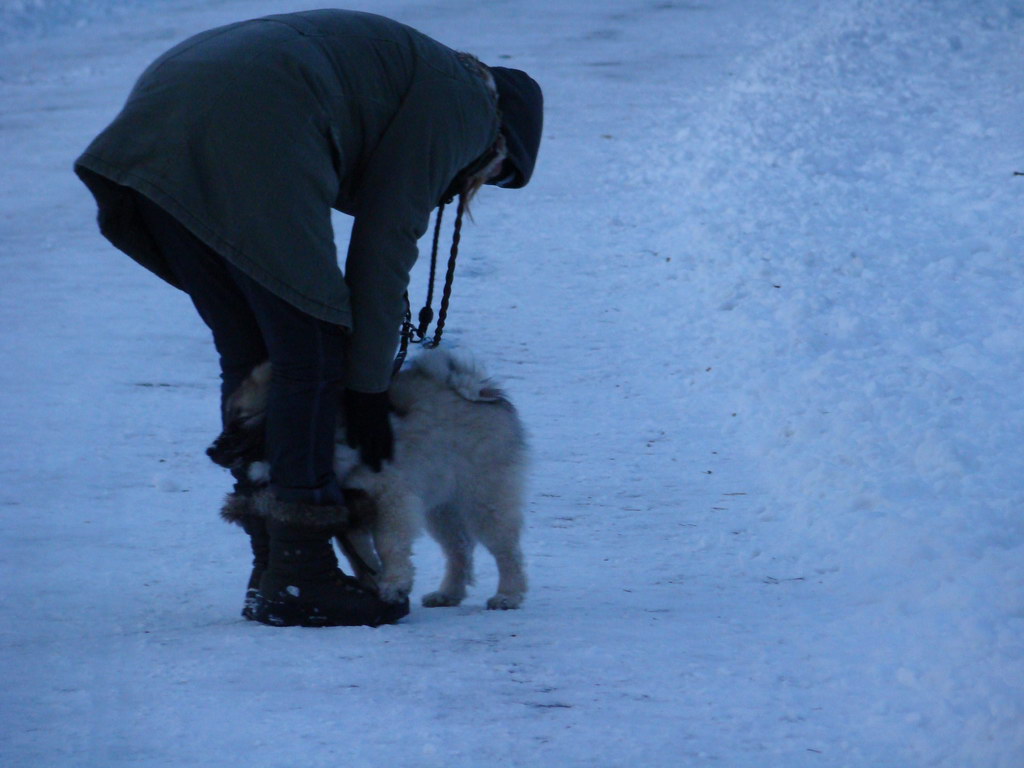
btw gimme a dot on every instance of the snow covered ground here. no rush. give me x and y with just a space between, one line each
762 311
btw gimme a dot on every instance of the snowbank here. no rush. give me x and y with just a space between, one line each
853 238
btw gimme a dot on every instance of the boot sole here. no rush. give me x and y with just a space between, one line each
293 613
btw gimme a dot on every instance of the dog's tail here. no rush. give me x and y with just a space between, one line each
463 376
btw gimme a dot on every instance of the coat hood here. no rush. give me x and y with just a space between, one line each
521 104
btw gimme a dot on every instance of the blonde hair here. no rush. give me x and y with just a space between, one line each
493 168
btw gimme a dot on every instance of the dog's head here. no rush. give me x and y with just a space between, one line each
242 439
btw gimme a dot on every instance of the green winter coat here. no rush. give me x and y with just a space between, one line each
249 134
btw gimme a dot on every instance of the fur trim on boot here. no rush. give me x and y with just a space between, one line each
265 505
237 506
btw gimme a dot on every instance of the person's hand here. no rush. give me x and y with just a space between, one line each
367 426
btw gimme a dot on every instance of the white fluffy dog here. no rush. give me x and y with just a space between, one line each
458 467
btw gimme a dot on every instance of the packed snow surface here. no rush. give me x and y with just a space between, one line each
761 309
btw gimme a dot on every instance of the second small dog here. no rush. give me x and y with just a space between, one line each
458 469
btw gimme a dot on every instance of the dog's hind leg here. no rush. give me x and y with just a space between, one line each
498 529
447 528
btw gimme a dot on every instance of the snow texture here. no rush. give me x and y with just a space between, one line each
761 310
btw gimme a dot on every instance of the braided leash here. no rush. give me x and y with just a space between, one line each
449 277
413 334
427 312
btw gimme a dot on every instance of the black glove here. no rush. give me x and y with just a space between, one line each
367 426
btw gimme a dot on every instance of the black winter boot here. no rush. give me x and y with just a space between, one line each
237 509
302 585
259 540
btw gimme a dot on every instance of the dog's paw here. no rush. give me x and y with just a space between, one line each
394 593
502 602
440 600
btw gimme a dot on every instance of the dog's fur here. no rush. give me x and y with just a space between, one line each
459 465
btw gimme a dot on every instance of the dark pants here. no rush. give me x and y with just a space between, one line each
250 325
